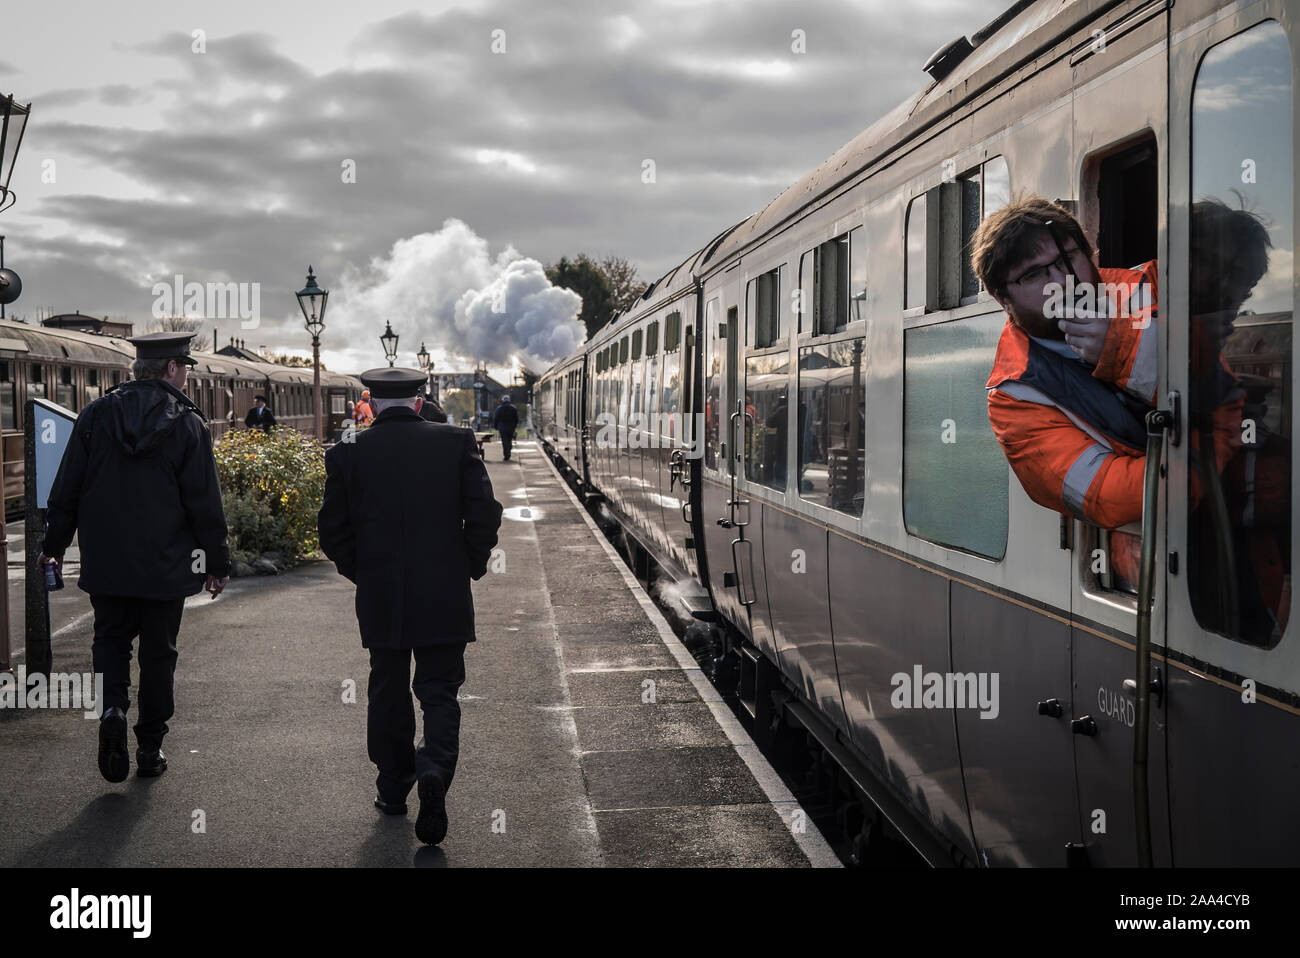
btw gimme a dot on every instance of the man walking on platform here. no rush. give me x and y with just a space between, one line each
505 420
139 484
378 525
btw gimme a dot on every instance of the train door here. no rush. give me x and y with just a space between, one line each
764 415
1233 667
1120 195
730 565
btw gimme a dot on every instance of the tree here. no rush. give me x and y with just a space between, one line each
296 362
585 278
624 285
175 324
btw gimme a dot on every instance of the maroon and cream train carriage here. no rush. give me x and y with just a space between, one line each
844 546
73 368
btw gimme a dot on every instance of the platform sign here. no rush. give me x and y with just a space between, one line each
48 428
52 427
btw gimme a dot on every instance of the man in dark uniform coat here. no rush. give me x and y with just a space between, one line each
505 420
409 516
430 410
260 416
138 483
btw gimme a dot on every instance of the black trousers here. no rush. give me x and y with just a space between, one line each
507 439
118 621
390 715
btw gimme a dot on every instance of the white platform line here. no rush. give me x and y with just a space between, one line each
808 838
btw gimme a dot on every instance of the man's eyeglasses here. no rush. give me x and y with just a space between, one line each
1038 275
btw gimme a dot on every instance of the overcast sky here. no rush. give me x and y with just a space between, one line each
486 138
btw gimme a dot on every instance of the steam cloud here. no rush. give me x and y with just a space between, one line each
444 289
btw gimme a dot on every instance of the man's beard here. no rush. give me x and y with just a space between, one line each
1039 326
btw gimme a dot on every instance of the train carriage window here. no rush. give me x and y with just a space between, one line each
622 350
65 390
997 186
832 425
1241 304
763 308
857 274
766 419
652 337
712 384
35 381
636 344
8 397
914 295
672 331
93 390
951 458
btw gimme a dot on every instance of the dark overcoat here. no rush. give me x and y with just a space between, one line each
138 484
409 516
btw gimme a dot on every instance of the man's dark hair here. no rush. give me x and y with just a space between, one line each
1014 233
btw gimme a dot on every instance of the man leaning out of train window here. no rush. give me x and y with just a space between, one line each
1075 369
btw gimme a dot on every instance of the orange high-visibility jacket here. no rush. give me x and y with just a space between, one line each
363 412
1074 434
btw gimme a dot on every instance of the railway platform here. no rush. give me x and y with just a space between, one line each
589 737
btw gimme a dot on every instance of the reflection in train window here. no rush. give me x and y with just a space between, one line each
672 368
1241 291
832 425
766 420
8 397
954 473
914 294
92 385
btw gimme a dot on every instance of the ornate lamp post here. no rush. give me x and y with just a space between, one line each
13 121
426 364
312 299
389 341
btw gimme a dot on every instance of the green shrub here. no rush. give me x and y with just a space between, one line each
272 485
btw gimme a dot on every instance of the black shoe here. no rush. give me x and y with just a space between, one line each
114 763
150 764
431 825
390 808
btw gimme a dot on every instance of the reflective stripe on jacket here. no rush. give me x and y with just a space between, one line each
1075 440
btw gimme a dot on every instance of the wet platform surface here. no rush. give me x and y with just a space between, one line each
567 759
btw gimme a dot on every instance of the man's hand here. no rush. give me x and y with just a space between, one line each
1085 335
43 560
214 585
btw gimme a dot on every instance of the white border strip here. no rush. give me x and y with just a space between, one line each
809 840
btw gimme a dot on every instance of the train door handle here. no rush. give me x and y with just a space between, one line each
1051 708
676 463
1083 726
1156 687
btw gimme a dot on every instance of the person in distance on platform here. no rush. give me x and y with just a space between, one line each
376 524
505 420
260 416
363 413
145 551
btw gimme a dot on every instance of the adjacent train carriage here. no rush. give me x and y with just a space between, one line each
836 493
74 368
